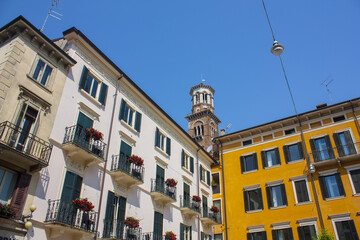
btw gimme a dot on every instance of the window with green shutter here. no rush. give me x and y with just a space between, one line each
301 191
158 226
72 187
187 161
92 86
114 216
162 142
130 116
185 232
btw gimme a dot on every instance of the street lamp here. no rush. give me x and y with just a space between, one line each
277 49
27 218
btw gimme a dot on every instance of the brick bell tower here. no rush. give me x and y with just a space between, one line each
203 123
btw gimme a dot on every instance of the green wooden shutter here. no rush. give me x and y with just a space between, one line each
158 225
125 150
269 197
109 215
157 138
286 153
121 215
71 188
201 173
205 205
291 237
323 188
275 234
264 159
314 150
192 164
301 150
349 142
260 197
84 121
353 230
277 154
138 121
182 231
255 161
249 236
242 164
84 75
168 146
246 201
122 110
301 233
103 93
186 195
283 194
340 184
190 233
329 147
202 236
208 178
182 158
160 179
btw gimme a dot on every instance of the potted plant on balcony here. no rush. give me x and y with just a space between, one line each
214 209
7 211
171 182
213 183
196 201
132 224
83 204
92 133
138 161
170 236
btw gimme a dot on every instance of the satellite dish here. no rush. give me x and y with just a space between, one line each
209 148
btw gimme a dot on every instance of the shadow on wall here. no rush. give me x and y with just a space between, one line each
44 180
168 213
134 197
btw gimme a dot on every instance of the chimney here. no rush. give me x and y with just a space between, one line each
320 106
222 132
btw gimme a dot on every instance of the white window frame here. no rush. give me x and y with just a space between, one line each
212 173
131 111
311 222
339 218
38 80
300 178
187 232
348 169
13 183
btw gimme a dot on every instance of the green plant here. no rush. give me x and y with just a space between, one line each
324 235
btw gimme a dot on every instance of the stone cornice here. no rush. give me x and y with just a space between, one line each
203 114
201 85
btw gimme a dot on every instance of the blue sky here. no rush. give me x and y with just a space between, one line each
166 45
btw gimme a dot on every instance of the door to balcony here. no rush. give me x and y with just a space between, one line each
125 172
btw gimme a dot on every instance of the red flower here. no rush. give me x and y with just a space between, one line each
83 204
214 209
7 210
196 198
170 236
138 161
171 182
94 134
132 222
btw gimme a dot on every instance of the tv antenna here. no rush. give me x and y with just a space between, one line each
326 84
52 13
228 127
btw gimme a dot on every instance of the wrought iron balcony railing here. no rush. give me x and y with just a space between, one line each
113 229
64 213
152 236
77 135
207 213
162 187
338 152
188 202
25 143
120 163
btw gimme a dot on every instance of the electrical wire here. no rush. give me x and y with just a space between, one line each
267 16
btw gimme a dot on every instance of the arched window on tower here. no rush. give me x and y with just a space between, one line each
199 129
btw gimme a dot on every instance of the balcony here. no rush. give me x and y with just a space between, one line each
113 229
152 236
81 148
210 218
162 193
189 208
125 172
335 155
65 217
23 148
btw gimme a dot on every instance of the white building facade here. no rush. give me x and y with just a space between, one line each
98 95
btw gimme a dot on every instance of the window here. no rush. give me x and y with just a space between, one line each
276 196
283 234
355 180
215 183
344 143
253 200
345 230
204 175
158 226
339 118
331 186
95 88
217 203
289 131
114 215
270 158
307 232
72 187
218 236
42 72
199 130
293 152
248 163
130 116
205 236
257 236
187 162
185 232
322 149
162 142
247 142
301 191
7 183
125 152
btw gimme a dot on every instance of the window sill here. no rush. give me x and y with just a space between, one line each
295 161
128 126
39 84
303 203
334 198
186 170
274 208
161 151
274 166
252 171
254 211
356 195
88 96
204 183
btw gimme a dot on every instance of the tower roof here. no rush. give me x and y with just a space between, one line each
201 85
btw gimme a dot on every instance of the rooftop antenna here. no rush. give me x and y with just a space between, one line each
51 12
326 84
228 127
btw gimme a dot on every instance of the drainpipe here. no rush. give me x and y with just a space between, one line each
106 156
356 120
316 198
198 189
223 188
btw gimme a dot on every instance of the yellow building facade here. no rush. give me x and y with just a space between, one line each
277 187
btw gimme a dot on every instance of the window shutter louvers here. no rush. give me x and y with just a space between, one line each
201 173
339 147
246 201
286 154
263 158
283 194
301 150
264 235
122 110
168 146
109 215
277 154
340 184
314 150
349 142
103 93
157 138
208 178
242 164
353 230
20 193
181 231
138 121
275 234
291 237
248 235
256 161
84 75
182 158
329 147
301 233
202 236
192 164
190 233
323 188
261 199
269 197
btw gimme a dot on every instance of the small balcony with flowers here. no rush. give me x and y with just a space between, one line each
85 146
210 216
163 192
21 147
76 217
190 206
127 171
156 236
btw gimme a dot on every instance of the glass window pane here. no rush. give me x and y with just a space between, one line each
131 114
38 69
94 88
276 195
271 158
46 75
355 177
294 152
344 231
249 162
322 149
254 200
88 83
216 183
301 191
344 144
7 185
332 186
